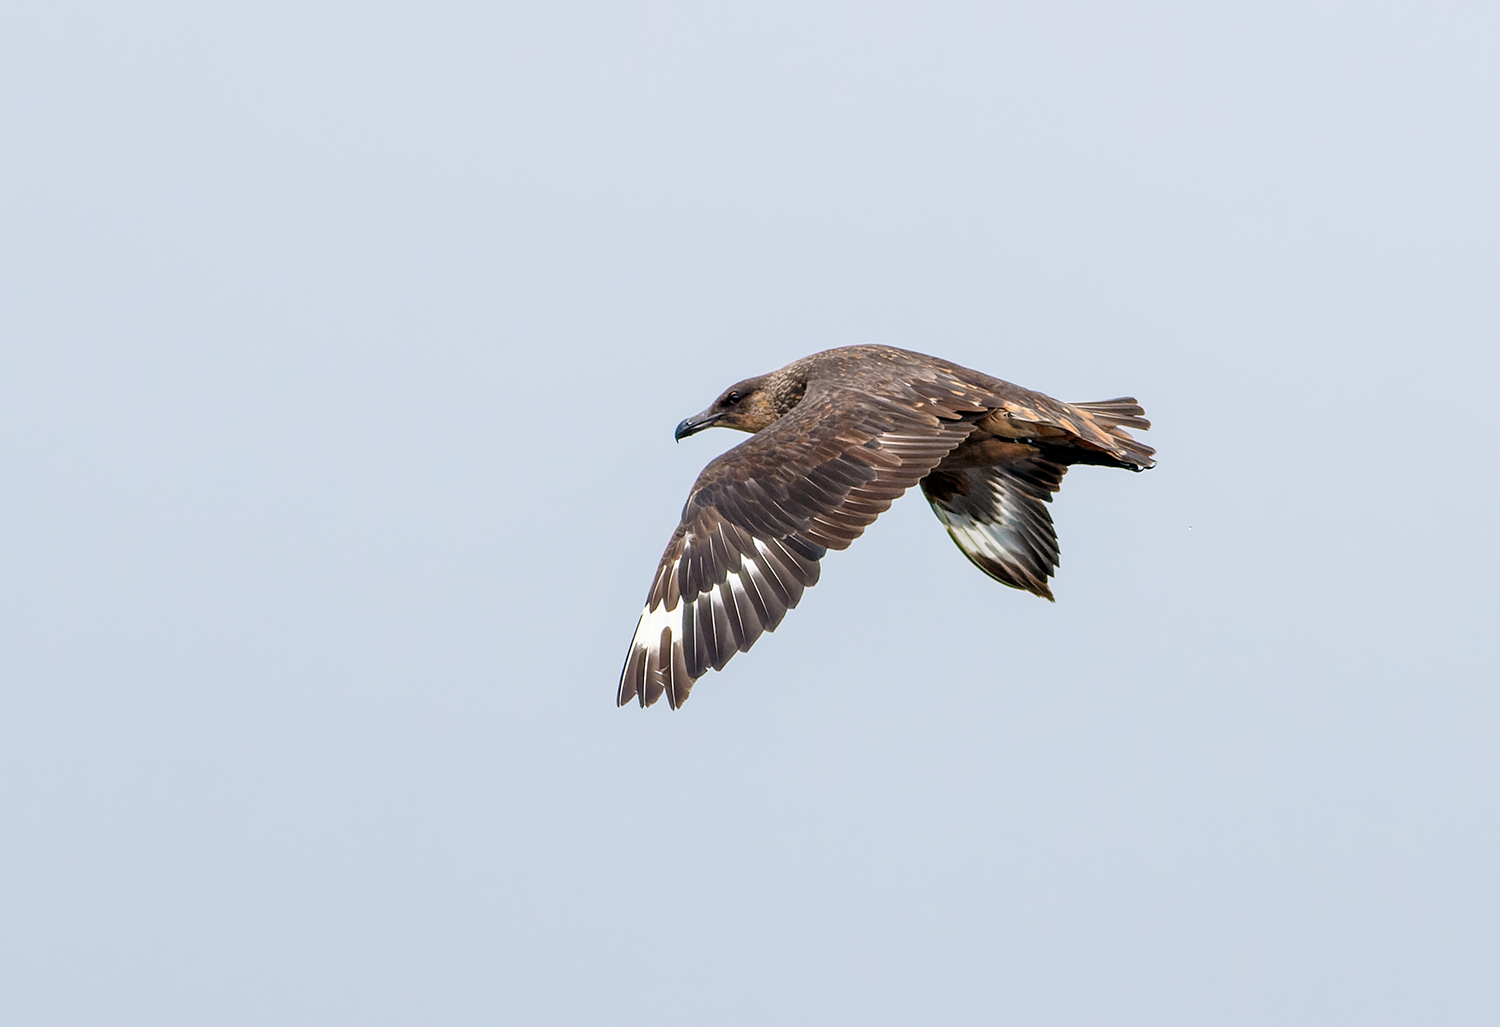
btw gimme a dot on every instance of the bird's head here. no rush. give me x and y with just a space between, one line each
746 406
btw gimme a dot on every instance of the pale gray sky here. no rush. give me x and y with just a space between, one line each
343 344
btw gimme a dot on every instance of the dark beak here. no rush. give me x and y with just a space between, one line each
693 425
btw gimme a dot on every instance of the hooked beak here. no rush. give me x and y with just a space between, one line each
693 425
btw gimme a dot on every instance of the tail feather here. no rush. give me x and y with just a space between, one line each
1124 412
1116 415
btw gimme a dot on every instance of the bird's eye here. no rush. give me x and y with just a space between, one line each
732 398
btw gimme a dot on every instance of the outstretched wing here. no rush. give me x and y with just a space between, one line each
762 515
997 511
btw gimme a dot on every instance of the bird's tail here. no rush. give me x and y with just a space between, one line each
1116 415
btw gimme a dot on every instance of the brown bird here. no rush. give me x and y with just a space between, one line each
838 436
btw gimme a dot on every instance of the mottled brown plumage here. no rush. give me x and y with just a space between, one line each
836 437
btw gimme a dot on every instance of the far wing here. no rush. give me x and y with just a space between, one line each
997 511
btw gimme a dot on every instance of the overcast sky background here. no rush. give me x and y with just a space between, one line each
342 347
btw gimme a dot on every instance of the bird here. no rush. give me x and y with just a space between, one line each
835 438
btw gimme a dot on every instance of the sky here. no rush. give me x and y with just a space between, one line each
342 348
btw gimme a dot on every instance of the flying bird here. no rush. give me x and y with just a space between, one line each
835 438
